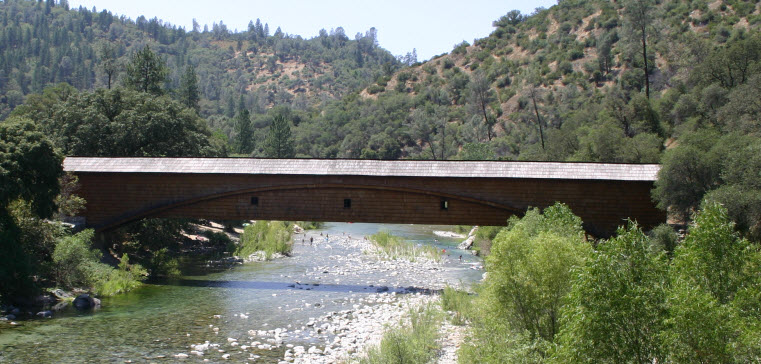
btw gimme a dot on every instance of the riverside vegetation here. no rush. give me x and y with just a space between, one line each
394 247
586 80
552 296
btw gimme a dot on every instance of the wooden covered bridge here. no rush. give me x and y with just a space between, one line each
121 190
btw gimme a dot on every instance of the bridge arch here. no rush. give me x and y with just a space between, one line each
119 190
187 207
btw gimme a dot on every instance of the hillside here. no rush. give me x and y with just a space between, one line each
43 43
577 71
564 83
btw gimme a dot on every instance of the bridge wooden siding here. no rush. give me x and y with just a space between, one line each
120 190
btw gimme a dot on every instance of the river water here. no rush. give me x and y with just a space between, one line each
157 321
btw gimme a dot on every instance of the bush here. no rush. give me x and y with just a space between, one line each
220 239
112 281
616 308
714 272
409 343
531 267
270 237
374 89
73 260
394 247
458 302
664 238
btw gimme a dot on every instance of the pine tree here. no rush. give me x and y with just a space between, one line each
146 72
279 143
245 138
189 94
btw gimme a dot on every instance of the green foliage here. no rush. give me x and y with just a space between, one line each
270 237
664 238
244 141
714 271
394 247
162 264
29 167
720 168
458 303
118 123
531 267
617 304
220 239
73 260
76 265
146 72
412 342
279 143
494 341
112 281
29 172
189 93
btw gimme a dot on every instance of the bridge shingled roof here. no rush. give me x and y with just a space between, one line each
355 167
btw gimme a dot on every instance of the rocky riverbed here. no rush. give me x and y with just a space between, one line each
386 290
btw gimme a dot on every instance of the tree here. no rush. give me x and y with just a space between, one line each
146 72
120 122
245 133
29 172
531 268
513 17
534 94
279 143
733 64
617 305
481 95
109 62
29 167
714 294
188 92
639 18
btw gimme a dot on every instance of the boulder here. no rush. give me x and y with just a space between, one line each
467 244
46 314
85 302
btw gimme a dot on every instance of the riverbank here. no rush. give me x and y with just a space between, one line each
254 310
382 291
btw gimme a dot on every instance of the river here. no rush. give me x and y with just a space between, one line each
159 321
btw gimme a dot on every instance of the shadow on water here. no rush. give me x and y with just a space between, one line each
319 287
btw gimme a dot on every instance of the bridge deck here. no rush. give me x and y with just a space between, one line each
378 168
120 190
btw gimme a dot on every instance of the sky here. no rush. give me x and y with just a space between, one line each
430 27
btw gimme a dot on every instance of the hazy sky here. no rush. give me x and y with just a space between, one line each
432 27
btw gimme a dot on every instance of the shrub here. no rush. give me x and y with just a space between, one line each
617 305
394 247
112 281
374 89
414 342
531 267
270 237
714 273
458 302
73 260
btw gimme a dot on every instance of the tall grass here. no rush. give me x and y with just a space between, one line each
394 247
409 342
457 302
114 281
270 237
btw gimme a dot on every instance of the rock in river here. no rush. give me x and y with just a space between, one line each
85 302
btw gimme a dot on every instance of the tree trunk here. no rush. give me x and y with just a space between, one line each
644 58
538 118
